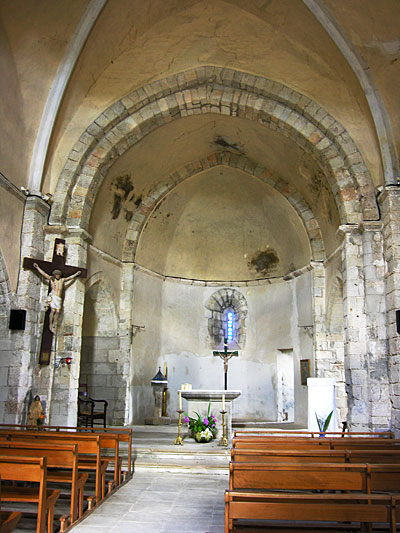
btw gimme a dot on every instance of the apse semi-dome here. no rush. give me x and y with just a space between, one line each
223 224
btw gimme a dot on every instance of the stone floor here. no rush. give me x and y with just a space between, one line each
162 502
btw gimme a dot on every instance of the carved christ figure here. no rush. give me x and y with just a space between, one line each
54 300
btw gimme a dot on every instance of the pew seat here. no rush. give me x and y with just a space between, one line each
292 511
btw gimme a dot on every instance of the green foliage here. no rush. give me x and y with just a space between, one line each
199 424
323 423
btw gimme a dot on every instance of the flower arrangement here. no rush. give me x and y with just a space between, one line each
204 429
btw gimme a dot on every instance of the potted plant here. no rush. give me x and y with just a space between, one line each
202 429
323 423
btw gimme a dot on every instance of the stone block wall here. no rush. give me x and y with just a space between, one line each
103 373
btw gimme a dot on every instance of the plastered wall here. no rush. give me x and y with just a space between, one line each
176 322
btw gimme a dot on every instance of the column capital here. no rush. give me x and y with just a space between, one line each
347 229
37 203
371 225
55 230
80 233
388 190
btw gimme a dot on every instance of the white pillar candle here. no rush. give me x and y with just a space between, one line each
223 402
180 400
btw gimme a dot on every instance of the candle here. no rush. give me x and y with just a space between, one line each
165 369
180 400
223 402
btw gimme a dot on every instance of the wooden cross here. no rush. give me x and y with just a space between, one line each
225 355
63 272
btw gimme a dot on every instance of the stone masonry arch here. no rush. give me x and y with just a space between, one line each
229 159
218 302
222 91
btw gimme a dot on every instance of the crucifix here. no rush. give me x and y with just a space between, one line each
225 355
58 274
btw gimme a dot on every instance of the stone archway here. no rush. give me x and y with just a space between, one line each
221 91
101 369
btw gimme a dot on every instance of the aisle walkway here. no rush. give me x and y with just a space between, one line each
162 502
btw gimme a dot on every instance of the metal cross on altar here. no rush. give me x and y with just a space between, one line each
57 273
225 355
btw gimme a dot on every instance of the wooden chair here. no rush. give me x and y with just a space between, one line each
90 410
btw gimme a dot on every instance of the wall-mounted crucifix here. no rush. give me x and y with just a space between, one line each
58 275
225 355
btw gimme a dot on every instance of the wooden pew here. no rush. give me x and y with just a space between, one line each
125 435
315 456
89 446
315 508
109 441
30 469
364 478
313 434
303 443
60 457
8 519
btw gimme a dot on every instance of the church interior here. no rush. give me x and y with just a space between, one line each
183 177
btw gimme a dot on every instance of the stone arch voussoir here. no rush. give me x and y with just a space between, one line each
222 91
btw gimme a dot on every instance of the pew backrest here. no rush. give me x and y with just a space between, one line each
33 469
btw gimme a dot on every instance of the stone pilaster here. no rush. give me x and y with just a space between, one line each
24 358
389 201
327 351
65 380
123 405
321 353
376 334
355 324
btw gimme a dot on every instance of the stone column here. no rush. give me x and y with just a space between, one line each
355 324
389 201
26 343
64 386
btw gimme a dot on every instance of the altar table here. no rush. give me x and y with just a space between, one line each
198 400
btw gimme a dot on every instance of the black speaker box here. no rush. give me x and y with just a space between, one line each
17 319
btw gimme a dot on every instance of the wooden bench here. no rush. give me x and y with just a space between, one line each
313 434
315 456
89 446
304 443
8 519
364 478
110 441
31 469
316 508
60 457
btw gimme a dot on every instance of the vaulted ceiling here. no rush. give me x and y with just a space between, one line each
222 223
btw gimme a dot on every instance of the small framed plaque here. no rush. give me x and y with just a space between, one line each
304 370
